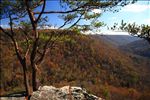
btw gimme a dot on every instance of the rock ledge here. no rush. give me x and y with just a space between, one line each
64 93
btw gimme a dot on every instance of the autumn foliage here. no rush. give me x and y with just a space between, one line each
80 60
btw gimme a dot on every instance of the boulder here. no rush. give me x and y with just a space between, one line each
63 93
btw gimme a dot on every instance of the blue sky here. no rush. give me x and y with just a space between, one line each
138 12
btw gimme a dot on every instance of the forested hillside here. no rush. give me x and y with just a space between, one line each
127 43
81 60
139 47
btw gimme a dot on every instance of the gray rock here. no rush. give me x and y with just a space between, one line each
12 98
64 93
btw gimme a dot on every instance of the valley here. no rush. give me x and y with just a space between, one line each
84 61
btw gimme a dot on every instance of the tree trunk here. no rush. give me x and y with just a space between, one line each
34 77
26 81
26 78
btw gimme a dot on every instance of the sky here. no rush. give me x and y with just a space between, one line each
138 12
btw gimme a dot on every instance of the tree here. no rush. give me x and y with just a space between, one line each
142 31
19 11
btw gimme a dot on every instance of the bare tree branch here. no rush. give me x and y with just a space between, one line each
62 12
11 25
44 3
28 45
31 14
13 40
65 23
34 26
76 21
26 33
7 33
37 4
45 50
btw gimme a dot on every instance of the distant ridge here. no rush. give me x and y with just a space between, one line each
127 43
117 40
139 47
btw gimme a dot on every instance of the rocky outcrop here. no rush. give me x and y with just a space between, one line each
12 98
64 93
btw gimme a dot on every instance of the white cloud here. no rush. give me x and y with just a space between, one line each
135 8
113 18
47 27
108 32
88 32
97 11
115 33
147 21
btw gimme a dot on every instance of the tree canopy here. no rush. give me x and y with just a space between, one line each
72 12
